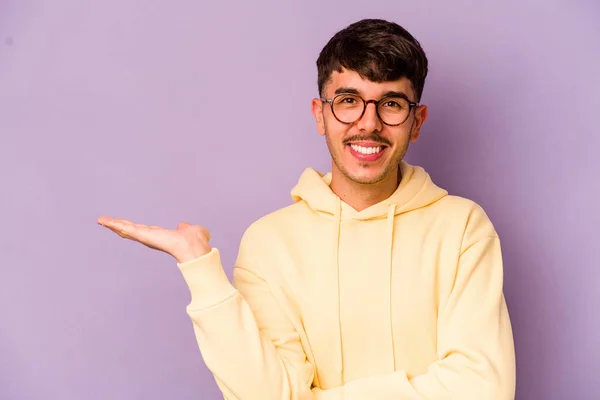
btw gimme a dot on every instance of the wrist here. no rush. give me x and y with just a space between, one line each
192 253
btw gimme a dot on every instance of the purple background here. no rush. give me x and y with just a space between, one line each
166 111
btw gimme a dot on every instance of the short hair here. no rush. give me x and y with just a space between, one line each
377 50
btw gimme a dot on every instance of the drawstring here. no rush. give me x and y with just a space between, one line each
390 232
338 222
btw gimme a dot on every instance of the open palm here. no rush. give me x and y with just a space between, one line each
184 243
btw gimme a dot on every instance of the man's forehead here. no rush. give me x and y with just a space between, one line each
351 79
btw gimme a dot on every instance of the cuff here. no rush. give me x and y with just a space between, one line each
206 280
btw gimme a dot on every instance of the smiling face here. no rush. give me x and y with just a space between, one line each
366 151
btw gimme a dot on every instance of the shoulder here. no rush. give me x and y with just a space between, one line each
463 206
272 226
467 218
269 236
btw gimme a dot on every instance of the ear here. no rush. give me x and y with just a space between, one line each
317 111
420 118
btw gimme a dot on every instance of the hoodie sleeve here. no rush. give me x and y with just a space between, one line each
245 338
475 344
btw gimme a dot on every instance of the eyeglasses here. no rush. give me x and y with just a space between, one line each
349 108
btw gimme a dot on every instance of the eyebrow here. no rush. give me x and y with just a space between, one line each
389 93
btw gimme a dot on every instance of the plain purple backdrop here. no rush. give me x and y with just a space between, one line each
166 111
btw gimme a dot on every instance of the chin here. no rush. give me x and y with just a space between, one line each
362 172
367 177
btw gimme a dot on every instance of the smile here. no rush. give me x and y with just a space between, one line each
366 150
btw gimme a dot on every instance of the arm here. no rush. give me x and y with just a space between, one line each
475 344
245 338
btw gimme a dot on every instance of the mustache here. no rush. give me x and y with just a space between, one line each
376 139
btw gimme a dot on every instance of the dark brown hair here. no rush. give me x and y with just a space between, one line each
377 50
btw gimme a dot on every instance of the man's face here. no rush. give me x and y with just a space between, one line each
384 145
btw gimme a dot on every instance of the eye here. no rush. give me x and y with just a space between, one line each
397 103
348 100
391 103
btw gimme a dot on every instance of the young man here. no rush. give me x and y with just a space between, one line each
375 283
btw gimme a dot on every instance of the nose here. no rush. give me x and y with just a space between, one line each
370 121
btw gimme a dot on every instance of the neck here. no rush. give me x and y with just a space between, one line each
363 195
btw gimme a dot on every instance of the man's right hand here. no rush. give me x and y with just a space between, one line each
185 243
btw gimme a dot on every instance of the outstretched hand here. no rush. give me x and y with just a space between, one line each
184 243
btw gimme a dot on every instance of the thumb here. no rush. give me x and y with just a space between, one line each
182 225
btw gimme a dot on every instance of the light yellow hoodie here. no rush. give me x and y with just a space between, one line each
402 300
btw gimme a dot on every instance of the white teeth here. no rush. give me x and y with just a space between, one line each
366 150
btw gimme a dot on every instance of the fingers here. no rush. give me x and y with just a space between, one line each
147 235
103 220
114 223
122 227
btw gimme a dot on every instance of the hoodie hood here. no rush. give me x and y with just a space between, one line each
416 190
